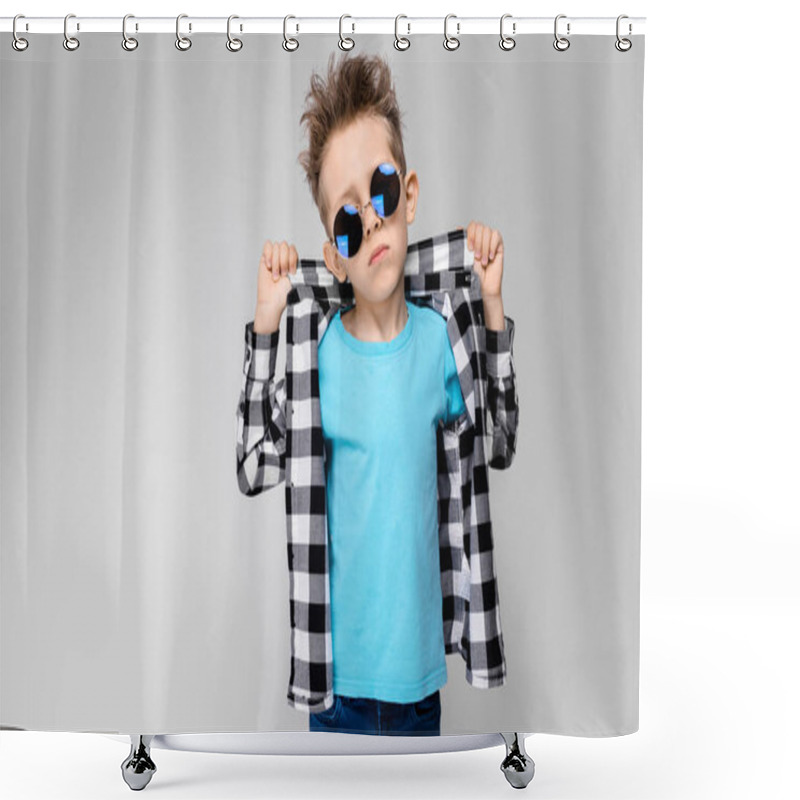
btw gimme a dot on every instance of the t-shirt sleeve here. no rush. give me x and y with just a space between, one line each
454 400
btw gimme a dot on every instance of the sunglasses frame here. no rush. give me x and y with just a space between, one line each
361 209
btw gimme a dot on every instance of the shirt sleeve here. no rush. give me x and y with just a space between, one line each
502 398
454 400
260 416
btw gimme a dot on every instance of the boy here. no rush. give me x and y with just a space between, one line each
387 378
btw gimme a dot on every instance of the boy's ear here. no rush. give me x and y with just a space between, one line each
412 193
332 262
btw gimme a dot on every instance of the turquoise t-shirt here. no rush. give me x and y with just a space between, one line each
381 403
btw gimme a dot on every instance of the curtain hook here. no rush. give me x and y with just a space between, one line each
620 42
345 42
128 42
70 42
561 40
290 43
507 42
182 42
400 42
233 44
451 42
17 42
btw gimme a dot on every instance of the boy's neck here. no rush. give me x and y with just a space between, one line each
376 322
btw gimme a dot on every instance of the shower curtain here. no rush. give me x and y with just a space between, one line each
143 590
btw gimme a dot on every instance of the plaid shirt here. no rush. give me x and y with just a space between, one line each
279 437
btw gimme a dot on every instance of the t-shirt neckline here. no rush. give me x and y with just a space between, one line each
376 348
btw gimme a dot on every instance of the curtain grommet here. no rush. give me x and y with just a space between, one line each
18 42
451 42
70 42
346 42
561 43
233 44
401 42
289 43
507 42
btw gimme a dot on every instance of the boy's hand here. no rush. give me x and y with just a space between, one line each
487 244
277 260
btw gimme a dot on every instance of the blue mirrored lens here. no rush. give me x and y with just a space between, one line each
347 230
343 245
385 190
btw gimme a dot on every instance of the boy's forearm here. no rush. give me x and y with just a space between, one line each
493 313
266 321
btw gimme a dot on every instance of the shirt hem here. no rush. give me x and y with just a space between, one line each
392 692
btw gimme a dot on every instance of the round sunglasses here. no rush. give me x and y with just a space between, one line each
384 192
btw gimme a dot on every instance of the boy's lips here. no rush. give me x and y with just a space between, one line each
378 254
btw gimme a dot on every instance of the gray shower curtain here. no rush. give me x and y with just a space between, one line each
142 590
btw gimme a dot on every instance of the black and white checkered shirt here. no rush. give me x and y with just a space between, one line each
279 437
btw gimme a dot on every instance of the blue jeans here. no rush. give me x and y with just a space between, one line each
380 717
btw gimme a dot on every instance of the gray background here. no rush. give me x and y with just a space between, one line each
140 590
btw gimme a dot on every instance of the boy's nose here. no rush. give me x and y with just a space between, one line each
371 218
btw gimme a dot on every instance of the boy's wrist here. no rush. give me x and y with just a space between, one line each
266 320
493 313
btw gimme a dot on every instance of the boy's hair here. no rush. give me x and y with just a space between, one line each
357 85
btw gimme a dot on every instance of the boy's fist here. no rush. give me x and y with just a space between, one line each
277 260
487 243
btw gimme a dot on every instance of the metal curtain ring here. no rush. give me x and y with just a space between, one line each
561 43
289 43
233 44
128 42
345 42
18 43
451 42
507 42
400 42
623 45
182 42
70 42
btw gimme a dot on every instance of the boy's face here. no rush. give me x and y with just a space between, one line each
353 153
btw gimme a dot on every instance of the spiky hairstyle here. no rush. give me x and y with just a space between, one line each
356 85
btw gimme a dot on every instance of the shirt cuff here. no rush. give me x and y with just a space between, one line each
498 350
260 353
